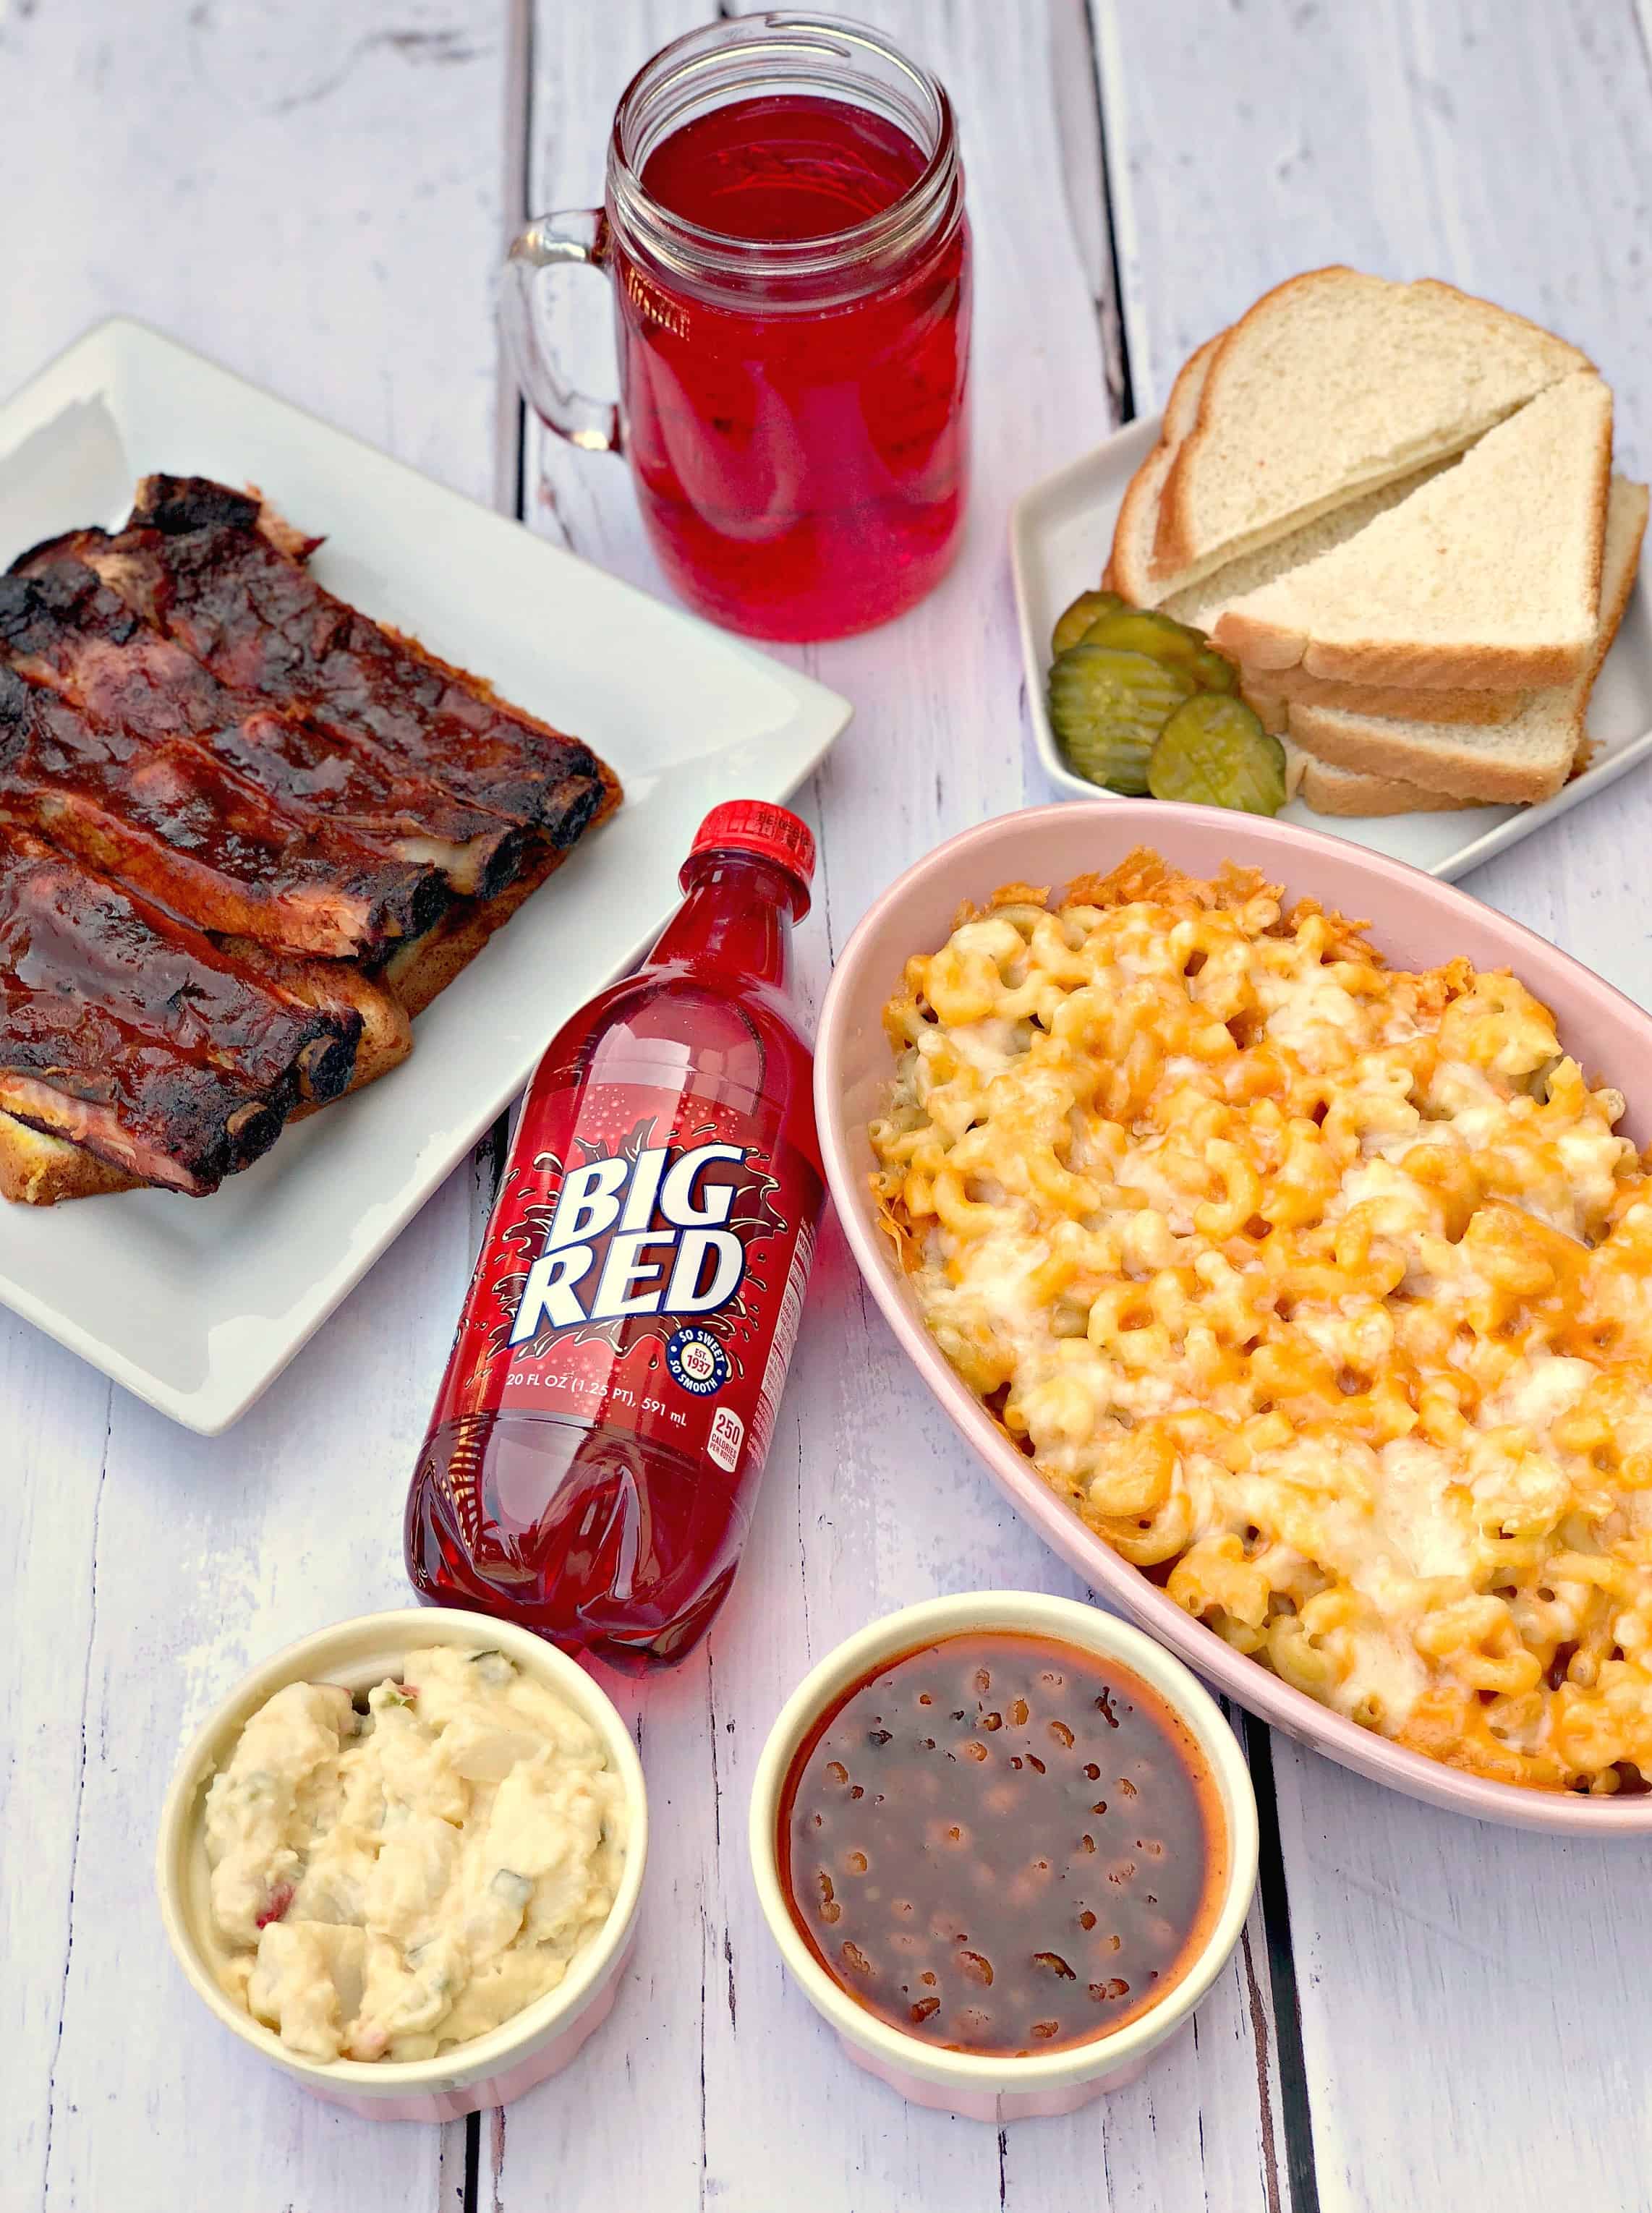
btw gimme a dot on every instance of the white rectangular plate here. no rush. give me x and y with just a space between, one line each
1060 535
197 1305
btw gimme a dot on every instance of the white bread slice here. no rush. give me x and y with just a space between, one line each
1270 691
1129 568
1327 790
1528 758
1284 687
1333 383
1487 578
1129 572
1203 604
1344 791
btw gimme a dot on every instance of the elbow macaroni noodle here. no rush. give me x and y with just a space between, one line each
1321 1291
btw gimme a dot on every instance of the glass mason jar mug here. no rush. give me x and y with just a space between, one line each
784 227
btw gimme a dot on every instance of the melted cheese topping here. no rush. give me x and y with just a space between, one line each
391 1883
1324 1289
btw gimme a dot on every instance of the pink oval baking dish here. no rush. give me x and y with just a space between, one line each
1416 921
490 2070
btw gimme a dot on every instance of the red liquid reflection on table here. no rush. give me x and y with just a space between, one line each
591 1465
803 460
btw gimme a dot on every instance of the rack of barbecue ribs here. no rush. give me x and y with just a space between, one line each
246 835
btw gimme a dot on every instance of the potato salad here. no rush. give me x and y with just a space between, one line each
390 1882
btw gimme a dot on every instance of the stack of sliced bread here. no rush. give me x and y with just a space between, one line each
1393 507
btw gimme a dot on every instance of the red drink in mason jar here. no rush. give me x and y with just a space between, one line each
801 463
785 225
591 1464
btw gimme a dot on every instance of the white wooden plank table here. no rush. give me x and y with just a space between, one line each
1425 2012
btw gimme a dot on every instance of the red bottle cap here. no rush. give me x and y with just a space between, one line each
753 825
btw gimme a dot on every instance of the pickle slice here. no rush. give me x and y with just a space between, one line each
1107 706
1213 751
1072 622
1142 630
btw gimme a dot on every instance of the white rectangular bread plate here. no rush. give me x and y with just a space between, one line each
197 1305
1060 535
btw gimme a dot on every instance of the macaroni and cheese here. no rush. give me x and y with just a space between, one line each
1323 1292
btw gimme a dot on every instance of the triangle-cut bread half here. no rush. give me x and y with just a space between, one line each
1487 578
1129 568
1333 383
1326 789
1270 693
1528 758
1330 790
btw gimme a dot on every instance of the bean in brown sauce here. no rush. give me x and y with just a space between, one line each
1001 1842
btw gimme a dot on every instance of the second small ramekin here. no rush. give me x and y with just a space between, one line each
988 2086
490 2070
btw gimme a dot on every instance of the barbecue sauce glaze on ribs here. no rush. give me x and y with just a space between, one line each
135 1036
195 737
175 822
194 561
60 625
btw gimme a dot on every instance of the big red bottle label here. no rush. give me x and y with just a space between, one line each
643 1271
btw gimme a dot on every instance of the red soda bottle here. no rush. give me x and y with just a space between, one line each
590 1467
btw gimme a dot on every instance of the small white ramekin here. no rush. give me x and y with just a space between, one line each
490 2070
981 2087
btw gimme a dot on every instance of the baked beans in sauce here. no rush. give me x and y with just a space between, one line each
1001 1842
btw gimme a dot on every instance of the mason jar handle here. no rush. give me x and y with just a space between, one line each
575 236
